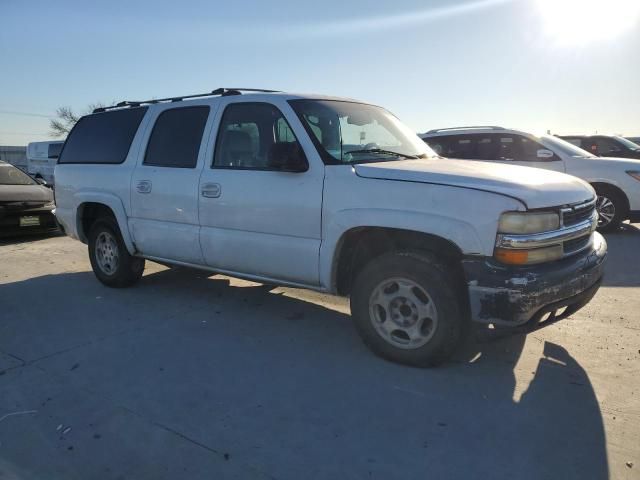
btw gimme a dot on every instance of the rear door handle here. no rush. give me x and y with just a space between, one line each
144 186
211 190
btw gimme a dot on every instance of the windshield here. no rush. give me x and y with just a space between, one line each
10 175
627 143
349 133
565 147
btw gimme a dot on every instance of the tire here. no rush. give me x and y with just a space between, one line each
612 208
418 292
110 260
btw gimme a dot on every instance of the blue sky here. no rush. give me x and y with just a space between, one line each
434 63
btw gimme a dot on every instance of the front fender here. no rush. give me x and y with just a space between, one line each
459 232
117 207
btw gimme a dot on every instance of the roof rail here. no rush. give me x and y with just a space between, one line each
217 92
478 127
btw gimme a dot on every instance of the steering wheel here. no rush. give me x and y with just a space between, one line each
370 146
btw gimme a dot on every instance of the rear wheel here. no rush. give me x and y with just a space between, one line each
612 208
110 260
405 308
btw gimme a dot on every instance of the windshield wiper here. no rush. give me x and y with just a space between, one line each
385 152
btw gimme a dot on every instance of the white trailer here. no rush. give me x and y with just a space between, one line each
42 158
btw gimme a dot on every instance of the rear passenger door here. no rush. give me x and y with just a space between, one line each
164 185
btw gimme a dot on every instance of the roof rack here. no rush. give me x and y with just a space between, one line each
223 92
478 127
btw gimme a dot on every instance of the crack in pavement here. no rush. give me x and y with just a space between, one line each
26 363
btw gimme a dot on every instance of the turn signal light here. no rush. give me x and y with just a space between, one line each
512 256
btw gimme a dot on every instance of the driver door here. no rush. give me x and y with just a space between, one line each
257 219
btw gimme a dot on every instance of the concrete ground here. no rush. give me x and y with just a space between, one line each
189 376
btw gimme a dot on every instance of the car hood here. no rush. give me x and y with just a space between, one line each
535 187
25 193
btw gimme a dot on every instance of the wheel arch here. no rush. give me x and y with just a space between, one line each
615 188
359 245
91 206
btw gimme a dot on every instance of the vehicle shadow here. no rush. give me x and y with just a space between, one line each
33 237
622 266
280 380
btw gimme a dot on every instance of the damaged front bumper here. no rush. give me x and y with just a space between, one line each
513 296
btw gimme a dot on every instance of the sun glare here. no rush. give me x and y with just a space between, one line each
579 22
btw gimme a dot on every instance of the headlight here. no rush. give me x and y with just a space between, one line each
512 256
635 174
528 222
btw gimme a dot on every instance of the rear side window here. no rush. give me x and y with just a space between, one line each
54 150
176 137
454 146
102 137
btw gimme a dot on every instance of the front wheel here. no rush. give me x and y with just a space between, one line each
405 307
611 207
110 260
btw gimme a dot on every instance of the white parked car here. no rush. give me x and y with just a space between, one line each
42 158
615 180
332 195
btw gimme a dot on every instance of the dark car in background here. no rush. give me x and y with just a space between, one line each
26 206
605 145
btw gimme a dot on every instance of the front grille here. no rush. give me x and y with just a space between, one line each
577 213
575 245
20 206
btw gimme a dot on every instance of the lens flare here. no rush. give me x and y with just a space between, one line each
581 22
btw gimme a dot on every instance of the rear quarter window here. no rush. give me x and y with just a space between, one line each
102 137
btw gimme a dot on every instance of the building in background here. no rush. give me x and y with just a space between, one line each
15 156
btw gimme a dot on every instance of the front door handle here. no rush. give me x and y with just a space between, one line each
211 190
144 186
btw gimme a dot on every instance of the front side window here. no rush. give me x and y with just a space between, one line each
251 134
626 143
176 137
520 149
555 143
10 175
605 146
348 132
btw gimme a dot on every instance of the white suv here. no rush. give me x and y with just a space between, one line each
332 195
615 180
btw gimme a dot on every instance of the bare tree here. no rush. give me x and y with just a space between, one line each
66 119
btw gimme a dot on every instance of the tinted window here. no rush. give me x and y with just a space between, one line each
54 150
249 133
454 146
102 137
577 141
605 146
475 146
488 146
176 137
519 149
529 150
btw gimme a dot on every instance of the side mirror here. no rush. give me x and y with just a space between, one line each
287 157
41 181
544 154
